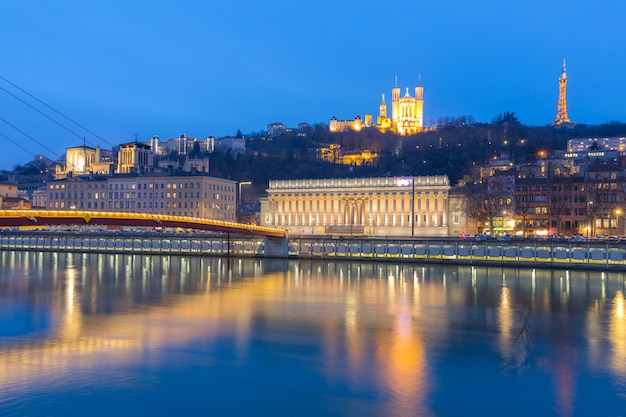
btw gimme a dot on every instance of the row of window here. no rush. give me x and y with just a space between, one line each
133 186
418 194
132 195
568 199
78 186
531 198
57 196
76 205
560 187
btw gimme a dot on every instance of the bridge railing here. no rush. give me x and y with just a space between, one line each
601 255
585 255
81 217
139 243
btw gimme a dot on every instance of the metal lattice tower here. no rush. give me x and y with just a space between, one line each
561 109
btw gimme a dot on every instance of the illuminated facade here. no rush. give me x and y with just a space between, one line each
598 144
134 157
78 160
193 195
407 114
344 125
401 206
81 160
334 155
562 118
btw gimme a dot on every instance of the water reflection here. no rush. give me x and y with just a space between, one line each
395 339
617 334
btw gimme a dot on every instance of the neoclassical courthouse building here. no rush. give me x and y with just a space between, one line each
384 206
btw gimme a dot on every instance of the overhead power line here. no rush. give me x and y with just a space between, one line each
16 144
23 148
54 110
31 138
46 116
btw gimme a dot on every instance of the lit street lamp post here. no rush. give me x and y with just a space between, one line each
412 206
618 214
591 218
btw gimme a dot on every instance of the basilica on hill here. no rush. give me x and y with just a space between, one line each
407 114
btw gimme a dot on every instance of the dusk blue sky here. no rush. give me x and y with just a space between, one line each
211 68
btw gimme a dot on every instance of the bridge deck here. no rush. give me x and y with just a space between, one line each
16 218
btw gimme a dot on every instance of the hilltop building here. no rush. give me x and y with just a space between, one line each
407 114
274 130
599 144
81 160
333 154
355 124
133 157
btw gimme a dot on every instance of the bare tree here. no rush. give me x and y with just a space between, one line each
594 207
484 205
559 204
523 208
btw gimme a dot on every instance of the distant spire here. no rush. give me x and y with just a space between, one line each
396 83
383 97
562 116
419 80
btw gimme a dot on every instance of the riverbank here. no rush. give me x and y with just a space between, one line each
528 253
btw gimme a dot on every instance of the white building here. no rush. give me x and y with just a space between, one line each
603 144
194 195
400 206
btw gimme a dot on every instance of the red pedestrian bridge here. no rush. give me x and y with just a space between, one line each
43 218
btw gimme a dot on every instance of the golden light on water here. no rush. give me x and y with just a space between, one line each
617 334
369 325
505 324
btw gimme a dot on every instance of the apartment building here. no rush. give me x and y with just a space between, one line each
184 194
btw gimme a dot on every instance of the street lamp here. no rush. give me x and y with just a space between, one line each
240 185
618 213
412 206
591 218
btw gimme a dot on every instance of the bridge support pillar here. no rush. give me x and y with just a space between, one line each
276 247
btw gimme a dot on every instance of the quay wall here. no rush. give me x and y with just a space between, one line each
528 253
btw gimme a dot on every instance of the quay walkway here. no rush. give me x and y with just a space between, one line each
526 253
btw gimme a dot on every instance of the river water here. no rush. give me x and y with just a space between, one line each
122 335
